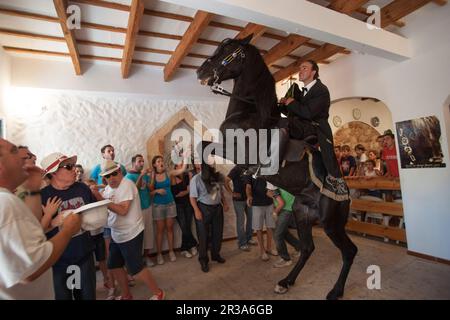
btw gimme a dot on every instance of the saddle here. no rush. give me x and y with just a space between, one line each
295 152
296 149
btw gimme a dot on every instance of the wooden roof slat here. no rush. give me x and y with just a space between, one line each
134 20
93 43
192 34
89 57
105 4
69 35
24 14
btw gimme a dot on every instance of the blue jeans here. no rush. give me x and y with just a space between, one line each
242 211
87 281
282 235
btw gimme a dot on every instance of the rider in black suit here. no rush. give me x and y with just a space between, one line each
307 113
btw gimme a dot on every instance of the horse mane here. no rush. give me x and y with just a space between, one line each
257 81
211 177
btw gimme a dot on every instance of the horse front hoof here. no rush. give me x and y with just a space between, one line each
280 290
335 294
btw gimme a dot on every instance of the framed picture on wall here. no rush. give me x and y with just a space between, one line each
419 142
2 128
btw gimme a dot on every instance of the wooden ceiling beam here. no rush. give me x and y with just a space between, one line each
283 48
389 14
179 17
252 28
293 41
398 9
134 21
192 34
345 6
324 52
69 35
398 23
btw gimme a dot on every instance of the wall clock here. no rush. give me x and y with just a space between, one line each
356 114
337 121
375 121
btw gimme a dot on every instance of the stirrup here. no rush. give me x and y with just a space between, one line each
255 175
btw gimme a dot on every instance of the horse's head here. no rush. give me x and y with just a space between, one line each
226 63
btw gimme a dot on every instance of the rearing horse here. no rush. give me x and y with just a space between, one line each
253 104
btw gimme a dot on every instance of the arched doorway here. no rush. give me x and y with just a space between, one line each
375 209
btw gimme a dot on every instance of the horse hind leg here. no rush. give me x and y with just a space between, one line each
335 230
304 218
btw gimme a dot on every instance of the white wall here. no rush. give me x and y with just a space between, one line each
106 77
82 122
5 76
411 89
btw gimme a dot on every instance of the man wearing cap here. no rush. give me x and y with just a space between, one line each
307 113
127 230
107 154
60 170
25 254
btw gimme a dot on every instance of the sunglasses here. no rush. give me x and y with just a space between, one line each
68 167
115 173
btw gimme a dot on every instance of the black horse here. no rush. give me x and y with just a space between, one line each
253 104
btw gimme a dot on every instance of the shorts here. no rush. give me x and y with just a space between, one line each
164 211
262 215
107 233
127 254
100 248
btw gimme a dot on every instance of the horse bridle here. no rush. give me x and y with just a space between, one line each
216 88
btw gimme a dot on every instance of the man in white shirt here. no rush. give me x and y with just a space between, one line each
25 254
127 231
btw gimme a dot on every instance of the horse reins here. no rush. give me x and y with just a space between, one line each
218 89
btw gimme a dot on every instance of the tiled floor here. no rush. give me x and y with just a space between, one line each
246 276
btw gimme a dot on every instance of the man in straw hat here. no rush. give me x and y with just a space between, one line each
60 170
127 231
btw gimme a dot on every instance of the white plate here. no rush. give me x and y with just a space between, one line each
92 205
